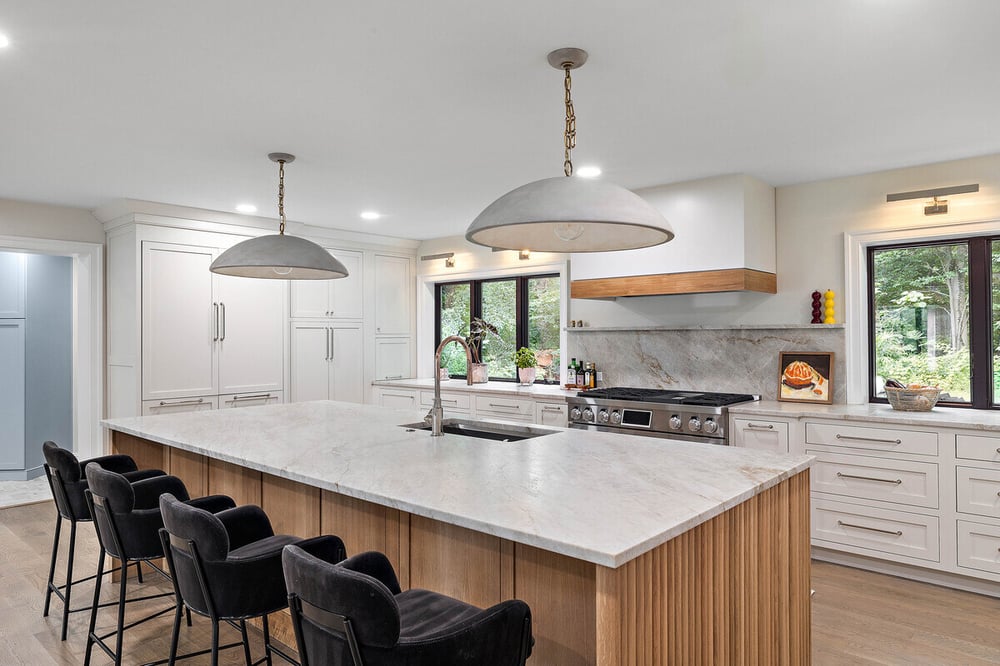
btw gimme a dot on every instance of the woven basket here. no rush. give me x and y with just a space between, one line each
912 400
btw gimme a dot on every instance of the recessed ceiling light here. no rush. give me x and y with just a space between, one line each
370 215
4 42
246 208
588 172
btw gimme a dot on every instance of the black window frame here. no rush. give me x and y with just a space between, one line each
522 329
980 317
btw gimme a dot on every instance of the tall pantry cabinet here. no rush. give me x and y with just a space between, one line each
181 338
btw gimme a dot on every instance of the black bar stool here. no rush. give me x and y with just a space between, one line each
227 567
128 520
67 482
354 613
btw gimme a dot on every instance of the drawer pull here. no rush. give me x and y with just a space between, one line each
547 408
998 449
871 439
870 529
755 426
255 396
450 402
164 403
500 404
870 478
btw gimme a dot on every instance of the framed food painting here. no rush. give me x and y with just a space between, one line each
806 377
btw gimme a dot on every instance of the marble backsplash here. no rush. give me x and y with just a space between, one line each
730 360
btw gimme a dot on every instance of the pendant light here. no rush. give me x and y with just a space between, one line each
278 256
565 214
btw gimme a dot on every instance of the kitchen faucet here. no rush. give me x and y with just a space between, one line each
436 415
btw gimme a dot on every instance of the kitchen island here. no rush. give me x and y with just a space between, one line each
629 550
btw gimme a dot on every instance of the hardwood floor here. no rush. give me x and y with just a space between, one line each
858 617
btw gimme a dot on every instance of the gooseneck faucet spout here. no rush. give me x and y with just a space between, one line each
436 416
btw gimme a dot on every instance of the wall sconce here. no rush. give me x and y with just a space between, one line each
524 255
938 206
449 258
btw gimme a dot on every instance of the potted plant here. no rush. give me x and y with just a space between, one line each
478 330
526 362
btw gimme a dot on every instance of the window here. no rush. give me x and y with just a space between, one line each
519 312
934 310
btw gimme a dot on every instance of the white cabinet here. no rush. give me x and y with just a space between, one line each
182 405
327 362
12 394
552 414
395 398
502 407
394 289
392 357
204 334
332 299
455 404
760 434
12 285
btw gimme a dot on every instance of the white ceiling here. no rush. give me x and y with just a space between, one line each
427 111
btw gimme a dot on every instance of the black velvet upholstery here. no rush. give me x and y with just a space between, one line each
240 558
393 628
134 508
68 482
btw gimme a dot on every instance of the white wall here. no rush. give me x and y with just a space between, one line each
472 258
810 220
34 220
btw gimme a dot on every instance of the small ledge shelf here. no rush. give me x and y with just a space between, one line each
699 327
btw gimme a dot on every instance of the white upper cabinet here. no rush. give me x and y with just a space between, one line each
327 362
12 271
180 319
206 334
252 335
394 289
332 299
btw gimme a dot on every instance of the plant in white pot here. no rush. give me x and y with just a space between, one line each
526 363
478 330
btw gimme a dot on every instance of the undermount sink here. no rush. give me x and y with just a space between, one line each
500 432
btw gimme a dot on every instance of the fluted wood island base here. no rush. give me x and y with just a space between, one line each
731 590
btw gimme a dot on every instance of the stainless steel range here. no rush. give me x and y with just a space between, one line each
690 415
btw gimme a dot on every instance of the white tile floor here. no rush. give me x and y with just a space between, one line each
13 493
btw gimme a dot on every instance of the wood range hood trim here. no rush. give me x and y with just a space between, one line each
693 282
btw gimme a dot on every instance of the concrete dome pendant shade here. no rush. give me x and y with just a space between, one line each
566 214
277 256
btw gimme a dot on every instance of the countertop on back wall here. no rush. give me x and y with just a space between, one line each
941 417
534 392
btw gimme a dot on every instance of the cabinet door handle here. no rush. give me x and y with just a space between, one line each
500 404
868 478
222 333
215 323
333 351
871 439
755 426
450 402
870 529
326 332
255 396
164 403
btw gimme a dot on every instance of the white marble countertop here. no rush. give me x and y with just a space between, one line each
601 497
941 417
535 391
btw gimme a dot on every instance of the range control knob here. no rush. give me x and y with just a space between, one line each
711 427
694 425
603 416
616 417
575 414
675 422
588 414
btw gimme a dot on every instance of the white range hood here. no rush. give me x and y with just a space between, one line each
725 241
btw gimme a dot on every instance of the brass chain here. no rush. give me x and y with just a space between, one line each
281 195
569 139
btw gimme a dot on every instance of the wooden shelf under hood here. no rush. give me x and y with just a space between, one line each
694 282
